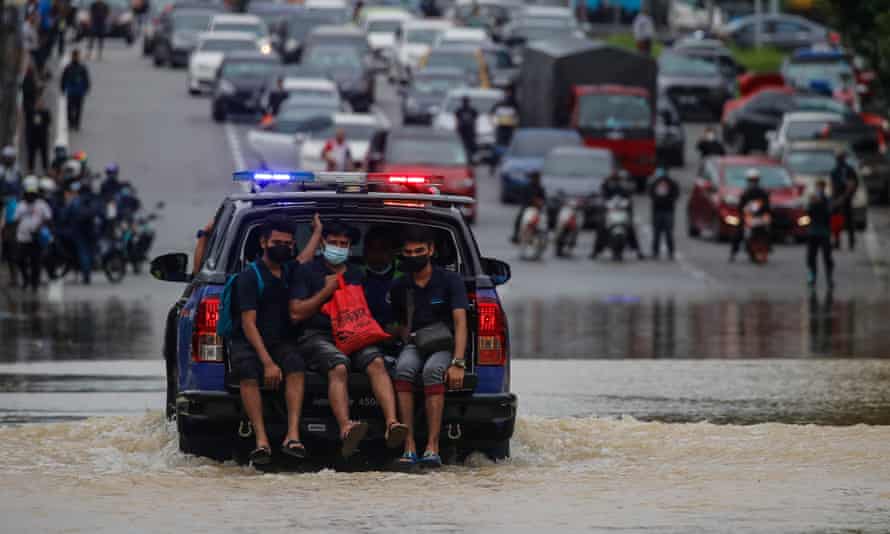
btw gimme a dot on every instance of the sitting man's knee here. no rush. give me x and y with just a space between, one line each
376 366
338 372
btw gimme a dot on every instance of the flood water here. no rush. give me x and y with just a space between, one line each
649 415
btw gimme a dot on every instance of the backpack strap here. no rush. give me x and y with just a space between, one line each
259 277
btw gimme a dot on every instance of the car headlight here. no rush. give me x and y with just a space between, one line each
226 88
291 44
731 220
125 18
265 47
804 220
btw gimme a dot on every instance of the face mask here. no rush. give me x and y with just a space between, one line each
414 264
335 255
380 272
279 253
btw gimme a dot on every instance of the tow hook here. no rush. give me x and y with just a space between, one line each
245 429
454 432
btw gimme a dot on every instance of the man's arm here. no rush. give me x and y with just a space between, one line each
252 333
303 307
308 252
459 316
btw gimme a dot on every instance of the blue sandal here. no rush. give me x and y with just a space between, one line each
431 459
409 458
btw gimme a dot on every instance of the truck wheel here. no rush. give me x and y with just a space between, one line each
499 452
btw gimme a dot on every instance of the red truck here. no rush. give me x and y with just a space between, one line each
606 93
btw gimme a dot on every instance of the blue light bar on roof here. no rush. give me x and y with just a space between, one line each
273 176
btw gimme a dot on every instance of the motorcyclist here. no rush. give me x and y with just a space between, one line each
111 185
77 226
534 195
709 145
127 202
753 193
610 188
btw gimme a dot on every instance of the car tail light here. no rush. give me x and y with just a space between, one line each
207 346
491 332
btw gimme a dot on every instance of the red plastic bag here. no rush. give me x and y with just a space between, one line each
837 224
353 326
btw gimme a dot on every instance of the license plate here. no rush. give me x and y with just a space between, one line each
688 99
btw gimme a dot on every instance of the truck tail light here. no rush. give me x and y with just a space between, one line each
206 345
491 332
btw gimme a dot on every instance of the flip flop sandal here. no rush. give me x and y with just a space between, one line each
294 449
353 437
431 459
407 459
396 435
261 456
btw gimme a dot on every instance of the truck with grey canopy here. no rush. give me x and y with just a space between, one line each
607 93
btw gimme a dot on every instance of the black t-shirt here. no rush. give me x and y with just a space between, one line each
755 193
272 318
309 280
664 192
710 148
444 293
466 119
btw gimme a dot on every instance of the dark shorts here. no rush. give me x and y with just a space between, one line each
246 365
322 354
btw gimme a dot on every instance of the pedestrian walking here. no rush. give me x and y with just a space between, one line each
709 145
844 183
32 215
466 117
31 39
75 84
98 26
819 238
663 192
644 31
37 126
46 29
30 89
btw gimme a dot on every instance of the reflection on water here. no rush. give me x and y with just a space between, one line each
678 328
111 329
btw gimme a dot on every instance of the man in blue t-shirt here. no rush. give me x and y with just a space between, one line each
426 296
263 349
310 290
381 270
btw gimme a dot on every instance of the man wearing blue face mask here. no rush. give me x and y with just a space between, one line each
310 290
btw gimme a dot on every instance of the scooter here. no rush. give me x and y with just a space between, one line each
618 223
532 234
757 232
138 236
569 219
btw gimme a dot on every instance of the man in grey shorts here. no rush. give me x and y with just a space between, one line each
312 288
438 297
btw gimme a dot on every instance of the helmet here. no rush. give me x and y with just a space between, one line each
752 174
72 168
47 184
31 184
112 169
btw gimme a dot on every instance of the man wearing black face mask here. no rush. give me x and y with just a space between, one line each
428 297
263 347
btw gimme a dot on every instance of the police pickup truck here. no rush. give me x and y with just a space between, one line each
205 402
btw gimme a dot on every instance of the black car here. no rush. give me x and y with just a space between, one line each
745 127
422 98
241 83
697 87
293 31
156 10
343 54
670 136
177 33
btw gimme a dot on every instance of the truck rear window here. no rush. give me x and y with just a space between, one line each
613 111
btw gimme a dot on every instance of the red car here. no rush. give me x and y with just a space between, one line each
426 151
713 205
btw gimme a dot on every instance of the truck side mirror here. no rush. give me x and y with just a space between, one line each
497 270
171 267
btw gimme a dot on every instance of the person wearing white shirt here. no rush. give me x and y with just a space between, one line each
644 31
30 39
32 215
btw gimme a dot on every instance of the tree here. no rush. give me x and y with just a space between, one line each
864 26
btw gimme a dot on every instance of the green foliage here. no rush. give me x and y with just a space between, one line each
865 28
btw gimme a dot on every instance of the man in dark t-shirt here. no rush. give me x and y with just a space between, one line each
262 348
425 296
310 290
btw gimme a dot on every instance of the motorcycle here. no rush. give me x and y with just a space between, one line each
757 232
532 234
62 258
618 225
138 236
569 218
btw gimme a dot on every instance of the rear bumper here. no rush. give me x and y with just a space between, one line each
477 420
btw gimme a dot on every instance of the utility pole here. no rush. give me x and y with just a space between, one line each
10 60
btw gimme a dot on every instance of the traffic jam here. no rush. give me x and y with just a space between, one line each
570 130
